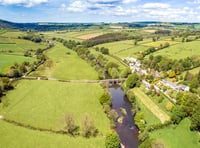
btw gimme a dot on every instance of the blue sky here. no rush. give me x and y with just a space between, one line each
100 10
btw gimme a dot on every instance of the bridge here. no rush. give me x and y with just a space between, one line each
106 82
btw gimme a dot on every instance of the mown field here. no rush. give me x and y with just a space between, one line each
44 104
178 137
64 63
8 60
158 112
180 51
18 137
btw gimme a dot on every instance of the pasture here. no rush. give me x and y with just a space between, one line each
180 51
177 137
125 48
8 60
43 104
158 43
18 46
161 115
64 63
18 137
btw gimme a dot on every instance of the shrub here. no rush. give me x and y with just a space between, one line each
70 126
112 140
105 99
88 127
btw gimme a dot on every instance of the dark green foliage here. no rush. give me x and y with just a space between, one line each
132 80
139 120
112 140
131 96
177 115
125 72
106 38
105 99
195 119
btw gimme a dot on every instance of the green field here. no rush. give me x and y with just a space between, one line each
158 43
8 60
13 34
65 64
193 71
125 49
180 51
44 104
159 113
19 46
18 137
178 137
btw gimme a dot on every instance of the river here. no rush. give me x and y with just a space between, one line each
126 130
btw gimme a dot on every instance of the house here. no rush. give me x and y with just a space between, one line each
183 87
146 84
175 86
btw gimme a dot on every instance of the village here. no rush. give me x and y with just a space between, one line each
136 66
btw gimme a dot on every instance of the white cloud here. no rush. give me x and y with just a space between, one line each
194 2
26 3
77 6
129 1
155 5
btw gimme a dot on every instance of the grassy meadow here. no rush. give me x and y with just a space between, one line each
158 43
44 104
178 137
19 137
64 63
18 46
180 51
8 60
158 112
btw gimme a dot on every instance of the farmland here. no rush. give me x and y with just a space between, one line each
23 138
74 34
181 51
151 106
59 99
181 133
64 63
36 109
8 60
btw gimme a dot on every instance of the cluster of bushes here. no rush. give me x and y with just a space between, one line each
31 37
5 85
103 50
87 129
112 140
188 105
105 101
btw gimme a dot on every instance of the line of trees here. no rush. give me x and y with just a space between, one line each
161 63
99 62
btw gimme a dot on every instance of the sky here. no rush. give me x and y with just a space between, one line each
100 10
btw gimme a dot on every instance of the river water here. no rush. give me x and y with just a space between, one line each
126 130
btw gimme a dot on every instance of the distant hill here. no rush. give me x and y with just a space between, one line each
43 26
